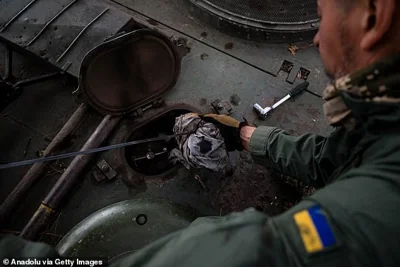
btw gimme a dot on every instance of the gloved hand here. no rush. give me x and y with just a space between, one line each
229 128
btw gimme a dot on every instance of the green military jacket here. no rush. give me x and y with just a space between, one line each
352 220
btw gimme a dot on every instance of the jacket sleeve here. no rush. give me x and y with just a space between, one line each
310 158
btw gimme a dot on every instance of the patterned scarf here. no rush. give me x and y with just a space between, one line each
378 83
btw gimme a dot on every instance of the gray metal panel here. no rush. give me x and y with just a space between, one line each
55 38
268 57
31 20
9 8
219 76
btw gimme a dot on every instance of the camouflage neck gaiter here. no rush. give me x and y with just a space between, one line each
378 83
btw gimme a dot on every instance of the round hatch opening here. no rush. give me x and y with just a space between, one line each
152 158
259 20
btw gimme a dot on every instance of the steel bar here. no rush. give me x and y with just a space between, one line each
51 21
36 170
88 151
17 15
68 180
7 64
80 34
280 102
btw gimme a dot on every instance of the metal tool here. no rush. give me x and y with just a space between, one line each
263 112
88 151
151 155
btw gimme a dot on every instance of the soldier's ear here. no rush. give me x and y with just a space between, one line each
377 21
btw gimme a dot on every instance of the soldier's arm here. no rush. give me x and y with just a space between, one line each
352 222
310 158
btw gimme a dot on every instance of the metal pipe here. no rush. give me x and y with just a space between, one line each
37 169
68 180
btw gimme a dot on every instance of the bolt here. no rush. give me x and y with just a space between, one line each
150 155
147 107
105 168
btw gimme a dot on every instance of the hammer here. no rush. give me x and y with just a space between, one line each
263 112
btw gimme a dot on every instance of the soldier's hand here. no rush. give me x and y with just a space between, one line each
229 128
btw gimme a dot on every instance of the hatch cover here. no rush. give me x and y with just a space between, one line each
129 71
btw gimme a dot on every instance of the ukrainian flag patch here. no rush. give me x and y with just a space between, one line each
315 231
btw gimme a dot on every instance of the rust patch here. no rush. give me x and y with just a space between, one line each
229 46
204 56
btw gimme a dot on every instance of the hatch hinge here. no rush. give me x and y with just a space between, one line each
155 104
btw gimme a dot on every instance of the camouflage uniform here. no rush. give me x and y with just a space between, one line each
351 220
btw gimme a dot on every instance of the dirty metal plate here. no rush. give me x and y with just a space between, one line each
129 71
176 18
223 74
59 31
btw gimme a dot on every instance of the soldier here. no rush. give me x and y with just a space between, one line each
352 219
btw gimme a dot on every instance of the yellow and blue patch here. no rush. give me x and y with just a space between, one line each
315 231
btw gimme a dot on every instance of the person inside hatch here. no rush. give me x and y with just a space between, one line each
352 220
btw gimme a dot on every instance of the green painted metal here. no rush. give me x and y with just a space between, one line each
123 227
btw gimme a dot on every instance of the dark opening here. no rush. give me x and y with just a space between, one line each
152 158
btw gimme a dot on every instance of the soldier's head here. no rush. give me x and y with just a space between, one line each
355 33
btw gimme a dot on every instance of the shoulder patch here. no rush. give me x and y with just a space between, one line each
315 231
